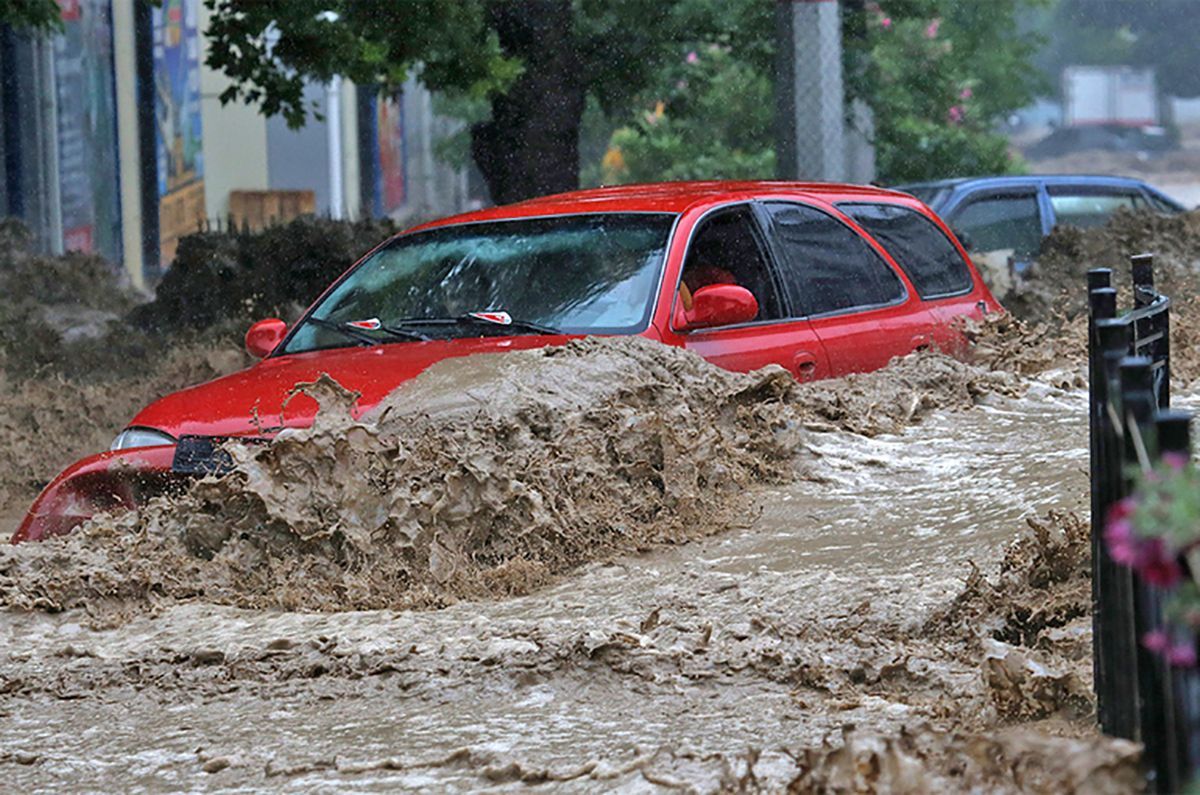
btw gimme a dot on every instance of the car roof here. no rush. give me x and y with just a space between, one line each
1009 180
665 197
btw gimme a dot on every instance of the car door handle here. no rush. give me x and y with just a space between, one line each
922 342
804 364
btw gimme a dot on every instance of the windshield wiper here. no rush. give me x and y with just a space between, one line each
514 324
361 336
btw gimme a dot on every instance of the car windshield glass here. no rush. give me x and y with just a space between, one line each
578 274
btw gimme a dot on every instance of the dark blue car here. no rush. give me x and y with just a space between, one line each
993 214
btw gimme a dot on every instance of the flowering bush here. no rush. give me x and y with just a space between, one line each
1156 532
711 119
940 75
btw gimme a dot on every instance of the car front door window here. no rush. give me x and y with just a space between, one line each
726 249
1008 222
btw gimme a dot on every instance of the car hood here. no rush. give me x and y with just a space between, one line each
253 400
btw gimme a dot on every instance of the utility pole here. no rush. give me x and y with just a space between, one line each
810 97
815 137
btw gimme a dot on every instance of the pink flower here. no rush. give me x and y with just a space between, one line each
956 114
693 57
1159 566
1156 640
1182 655
1122 509
966 94
886 23
1176 461
1123 547
931 31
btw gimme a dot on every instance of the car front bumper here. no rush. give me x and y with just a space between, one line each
108 482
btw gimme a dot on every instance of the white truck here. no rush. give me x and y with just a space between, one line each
1124 96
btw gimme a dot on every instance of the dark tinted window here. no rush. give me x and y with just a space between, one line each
726 250
931 261
1001 222
827 266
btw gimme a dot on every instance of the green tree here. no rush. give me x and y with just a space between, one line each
31 14
710 116
939 75
536 62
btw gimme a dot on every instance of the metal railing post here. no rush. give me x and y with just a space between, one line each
1116 695
1139 404
1102 305
1142 268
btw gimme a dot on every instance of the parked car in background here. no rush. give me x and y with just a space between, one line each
1011 214
819 279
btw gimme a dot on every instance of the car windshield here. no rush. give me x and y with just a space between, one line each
576 274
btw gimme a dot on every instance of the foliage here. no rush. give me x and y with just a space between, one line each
31 14
939 75
537 64
714 119
268 48
1156 532
219 277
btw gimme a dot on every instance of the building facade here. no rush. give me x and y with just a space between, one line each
113 140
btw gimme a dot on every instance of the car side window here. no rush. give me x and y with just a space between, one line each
1159 204
996 223
1086 208
827 266
931 261
727 249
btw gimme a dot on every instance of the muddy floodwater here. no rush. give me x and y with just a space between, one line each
693 665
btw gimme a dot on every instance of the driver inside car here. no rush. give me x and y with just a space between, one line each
702 275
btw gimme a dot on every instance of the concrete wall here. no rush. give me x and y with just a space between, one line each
235 141
299 159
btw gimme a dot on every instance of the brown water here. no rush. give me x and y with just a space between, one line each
668 666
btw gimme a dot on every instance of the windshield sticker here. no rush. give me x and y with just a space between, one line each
370 324
503 318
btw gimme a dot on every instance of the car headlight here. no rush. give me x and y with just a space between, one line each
140 437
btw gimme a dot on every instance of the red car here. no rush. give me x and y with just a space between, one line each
821 279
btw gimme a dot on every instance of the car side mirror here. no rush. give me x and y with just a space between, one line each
264 336
720 305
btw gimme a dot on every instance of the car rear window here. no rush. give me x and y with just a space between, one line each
827 266
1089 207
931 261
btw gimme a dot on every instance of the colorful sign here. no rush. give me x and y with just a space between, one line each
388 155
87 129
177 116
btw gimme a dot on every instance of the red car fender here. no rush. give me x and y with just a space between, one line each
111 481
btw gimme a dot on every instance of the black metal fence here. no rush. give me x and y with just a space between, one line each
1139 697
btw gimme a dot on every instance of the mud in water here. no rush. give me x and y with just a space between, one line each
485 476
633 571
731 660
49 422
